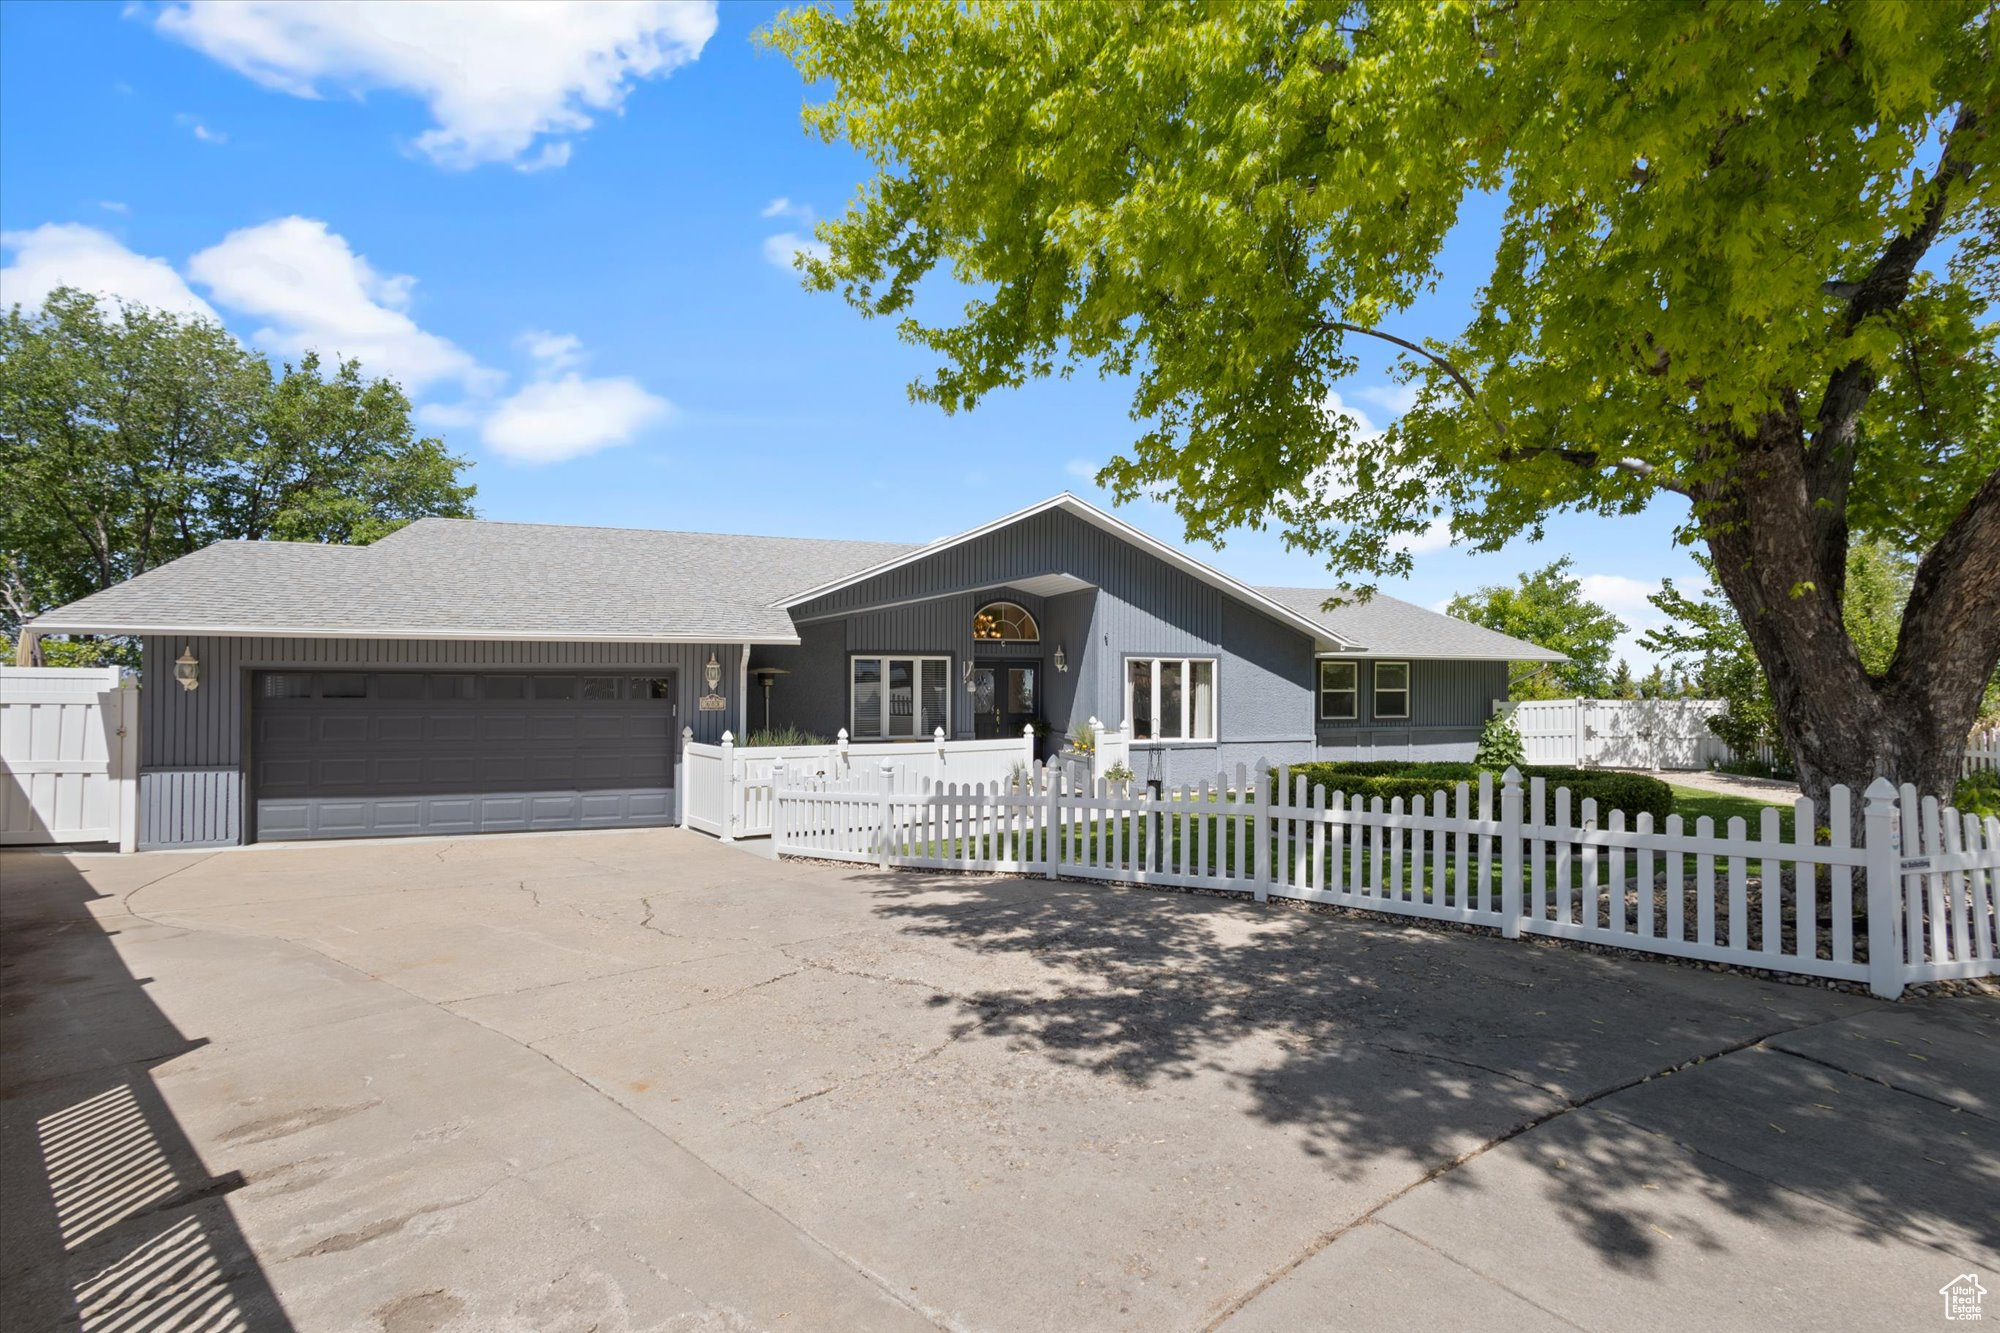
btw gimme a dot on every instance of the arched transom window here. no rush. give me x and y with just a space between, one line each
1004 622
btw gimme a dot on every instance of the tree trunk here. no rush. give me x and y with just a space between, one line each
1768 532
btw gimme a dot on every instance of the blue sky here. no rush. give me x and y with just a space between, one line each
595 313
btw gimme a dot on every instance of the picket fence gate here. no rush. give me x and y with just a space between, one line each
1914 901
69 756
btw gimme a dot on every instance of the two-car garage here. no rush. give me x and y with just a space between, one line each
355 754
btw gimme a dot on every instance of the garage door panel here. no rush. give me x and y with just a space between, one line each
283 728
503 727
399 772
450 728
412 756
399 728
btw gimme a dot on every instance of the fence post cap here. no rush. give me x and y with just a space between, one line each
687 733
1881 790
841 735
1512 777
1027 731
728 739
937 734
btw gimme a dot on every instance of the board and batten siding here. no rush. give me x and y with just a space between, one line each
1450 701
193 754
1137 606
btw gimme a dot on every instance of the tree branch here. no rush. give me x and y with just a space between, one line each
1457 376
1951 624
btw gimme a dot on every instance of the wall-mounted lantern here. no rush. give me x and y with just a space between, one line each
1062 659
187 670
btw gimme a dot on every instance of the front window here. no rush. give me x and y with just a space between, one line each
1170 698
1392 689
899 698
1339 691
1005 622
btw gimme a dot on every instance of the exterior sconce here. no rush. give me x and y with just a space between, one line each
1062 659
187 670
971 686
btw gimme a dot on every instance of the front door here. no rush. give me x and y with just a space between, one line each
1003 697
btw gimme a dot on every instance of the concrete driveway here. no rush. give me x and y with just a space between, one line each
643 1081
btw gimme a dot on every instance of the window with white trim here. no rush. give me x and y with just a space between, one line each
1392 689
1170 698
1005 622
898 698
1339 691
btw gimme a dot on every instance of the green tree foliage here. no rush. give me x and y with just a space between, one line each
1715 284
130 437
1548 607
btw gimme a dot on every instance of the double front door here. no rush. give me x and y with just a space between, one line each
1003 697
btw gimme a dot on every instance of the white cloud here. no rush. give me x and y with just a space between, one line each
201 131
315 294
1435 537
114 206
1623 597
1394 399
1082 469
553 351
499 79
68 254
784 249
782 207
552 420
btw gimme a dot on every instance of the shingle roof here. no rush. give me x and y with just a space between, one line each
474 579
1390 627
462 578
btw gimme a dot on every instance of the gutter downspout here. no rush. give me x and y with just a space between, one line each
743 695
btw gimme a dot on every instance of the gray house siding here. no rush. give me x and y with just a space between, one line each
1449 704
1138 606
193 755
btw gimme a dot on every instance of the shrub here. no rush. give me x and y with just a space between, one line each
785 735
1634 793
1500 744
1978 794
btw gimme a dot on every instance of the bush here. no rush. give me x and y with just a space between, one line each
1634 793
1978 794
785 735
1500 745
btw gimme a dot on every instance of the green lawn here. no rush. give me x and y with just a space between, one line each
1691 803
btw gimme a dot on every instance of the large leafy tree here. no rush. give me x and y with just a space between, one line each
1725 280
131 436
1548 606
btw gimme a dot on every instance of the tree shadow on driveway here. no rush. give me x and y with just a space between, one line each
1365 1039
109 1216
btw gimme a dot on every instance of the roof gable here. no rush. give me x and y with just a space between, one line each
1319 632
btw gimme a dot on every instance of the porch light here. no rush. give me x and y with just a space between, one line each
1062 659
187 669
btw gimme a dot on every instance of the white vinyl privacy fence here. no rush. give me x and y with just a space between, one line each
1982 752
1913 901
69 756
1620 733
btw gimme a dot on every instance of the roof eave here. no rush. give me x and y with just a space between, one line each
140 630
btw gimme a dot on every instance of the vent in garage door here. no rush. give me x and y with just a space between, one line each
344 754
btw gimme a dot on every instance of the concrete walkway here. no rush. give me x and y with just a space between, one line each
643 1081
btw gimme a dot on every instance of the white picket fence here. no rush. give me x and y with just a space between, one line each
728 789
69 756
1915 901
1982 752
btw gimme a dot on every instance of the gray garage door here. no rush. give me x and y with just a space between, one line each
368 754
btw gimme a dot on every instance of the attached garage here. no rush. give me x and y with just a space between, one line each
359 754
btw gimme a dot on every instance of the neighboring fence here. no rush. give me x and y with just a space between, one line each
69 756
1915 901
1982 752
727 788
1620 733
